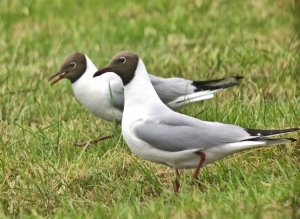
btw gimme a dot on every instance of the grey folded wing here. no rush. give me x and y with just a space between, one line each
117 95
177 132
169 89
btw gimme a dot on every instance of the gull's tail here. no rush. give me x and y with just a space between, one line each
204 90
263 135
258 138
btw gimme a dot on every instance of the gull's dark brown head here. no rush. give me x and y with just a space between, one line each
123 64
72 68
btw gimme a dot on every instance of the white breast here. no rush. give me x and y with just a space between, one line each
94 93
139 99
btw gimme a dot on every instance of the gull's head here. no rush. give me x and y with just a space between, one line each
124 64
72 68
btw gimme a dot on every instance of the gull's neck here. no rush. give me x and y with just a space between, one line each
90 68
87 76
139 92
85 81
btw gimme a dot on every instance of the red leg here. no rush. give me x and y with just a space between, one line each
177 181
202 159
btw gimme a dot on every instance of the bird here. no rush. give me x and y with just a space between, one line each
104 96
158 134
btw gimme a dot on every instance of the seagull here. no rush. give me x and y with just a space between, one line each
156 133
104 96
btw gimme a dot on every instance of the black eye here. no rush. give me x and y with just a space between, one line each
122 59
73 64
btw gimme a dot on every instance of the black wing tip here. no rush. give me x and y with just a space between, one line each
239 77
292 139
271 139
217 83
263 133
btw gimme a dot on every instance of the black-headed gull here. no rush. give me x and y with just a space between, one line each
156 133
104 96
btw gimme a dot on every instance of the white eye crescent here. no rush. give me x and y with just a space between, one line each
73 64
122 59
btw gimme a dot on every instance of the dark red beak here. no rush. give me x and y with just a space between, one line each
56 77
102 71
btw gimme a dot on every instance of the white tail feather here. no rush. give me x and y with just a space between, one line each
218 152
191 98
277 141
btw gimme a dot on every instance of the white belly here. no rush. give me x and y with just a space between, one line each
96 97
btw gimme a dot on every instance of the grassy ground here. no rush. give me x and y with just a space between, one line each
43 175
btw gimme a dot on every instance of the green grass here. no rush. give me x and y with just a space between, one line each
43 175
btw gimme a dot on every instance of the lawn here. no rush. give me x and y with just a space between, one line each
42 174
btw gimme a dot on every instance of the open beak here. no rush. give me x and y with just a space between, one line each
56 77
102 71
